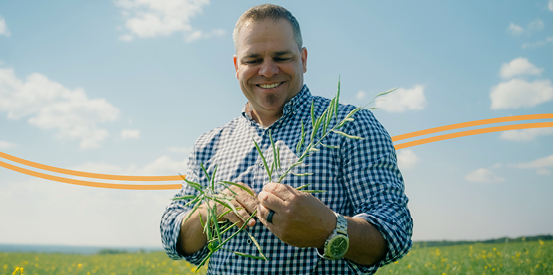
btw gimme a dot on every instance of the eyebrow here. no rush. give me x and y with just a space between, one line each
256 55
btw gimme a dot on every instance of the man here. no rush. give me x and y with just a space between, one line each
363 204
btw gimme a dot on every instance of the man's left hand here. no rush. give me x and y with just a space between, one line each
299 220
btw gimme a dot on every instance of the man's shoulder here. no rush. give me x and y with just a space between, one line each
217 132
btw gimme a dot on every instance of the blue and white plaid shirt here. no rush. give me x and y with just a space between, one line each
361 179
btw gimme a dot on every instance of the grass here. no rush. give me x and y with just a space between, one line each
521 258
535 257
108 264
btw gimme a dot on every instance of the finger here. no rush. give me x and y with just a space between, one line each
247 201
271 201
263 214
283 191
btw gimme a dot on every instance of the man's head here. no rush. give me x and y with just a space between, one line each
269 64
268 11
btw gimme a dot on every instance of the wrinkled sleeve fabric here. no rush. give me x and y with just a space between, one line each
375 187
176 212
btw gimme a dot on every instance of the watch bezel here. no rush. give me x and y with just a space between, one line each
330 247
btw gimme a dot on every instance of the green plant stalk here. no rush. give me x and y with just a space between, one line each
209 195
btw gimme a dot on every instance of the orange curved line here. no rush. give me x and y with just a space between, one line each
90 183
469 124
473 132
178 186
86 174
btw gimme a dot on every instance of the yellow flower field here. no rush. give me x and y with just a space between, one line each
500 258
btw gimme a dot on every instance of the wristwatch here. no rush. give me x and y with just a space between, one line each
337 244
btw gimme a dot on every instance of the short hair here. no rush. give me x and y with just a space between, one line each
265 11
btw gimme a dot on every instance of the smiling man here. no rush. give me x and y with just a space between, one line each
358 224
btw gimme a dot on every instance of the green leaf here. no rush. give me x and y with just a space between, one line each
330 146
224 213
240 186
317 125
257 245
194 185
346 135
263 158
228 205
352 112
313 191
302 175
330 112
275 157
213 178
184 197
246 255
205 172
303 186
196 206
300 143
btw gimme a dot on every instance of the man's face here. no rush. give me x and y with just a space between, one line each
269 65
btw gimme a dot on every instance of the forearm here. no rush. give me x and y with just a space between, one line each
366 244
192 237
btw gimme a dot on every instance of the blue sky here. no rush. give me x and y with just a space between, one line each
126 86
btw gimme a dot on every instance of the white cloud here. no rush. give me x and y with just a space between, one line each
518 93
3 27
483 175
537 44
540 165
518 66
525 135
130 134
6 145
49 105
152 18
201 35
533 26
403 99
550 5
407 159
361 95
515 29
536 164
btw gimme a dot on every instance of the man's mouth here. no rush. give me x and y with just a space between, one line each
269 86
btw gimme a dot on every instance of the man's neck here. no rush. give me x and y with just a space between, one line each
266 119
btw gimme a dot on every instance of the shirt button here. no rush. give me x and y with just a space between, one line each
261 164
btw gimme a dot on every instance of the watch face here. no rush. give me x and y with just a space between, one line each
339 246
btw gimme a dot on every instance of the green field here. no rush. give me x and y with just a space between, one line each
535 257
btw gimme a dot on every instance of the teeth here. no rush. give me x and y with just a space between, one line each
268 86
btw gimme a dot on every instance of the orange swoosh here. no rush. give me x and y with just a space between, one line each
91 183
469 124
474 132
86 174
178 186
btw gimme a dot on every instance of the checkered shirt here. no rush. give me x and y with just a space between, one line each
361 179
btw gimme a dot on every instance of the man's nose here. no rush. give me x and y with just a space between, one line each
268 68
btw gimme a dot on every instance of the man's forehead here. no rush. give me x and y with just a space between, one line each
268 36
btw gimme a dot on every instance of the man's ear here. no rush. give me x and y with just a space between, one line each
304 59
235 59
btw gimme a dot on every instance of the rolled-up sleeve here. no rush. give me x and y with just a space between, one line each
376 188
174 214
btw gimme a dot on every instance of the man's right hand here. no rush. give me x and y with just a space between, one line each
243 202
192 237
